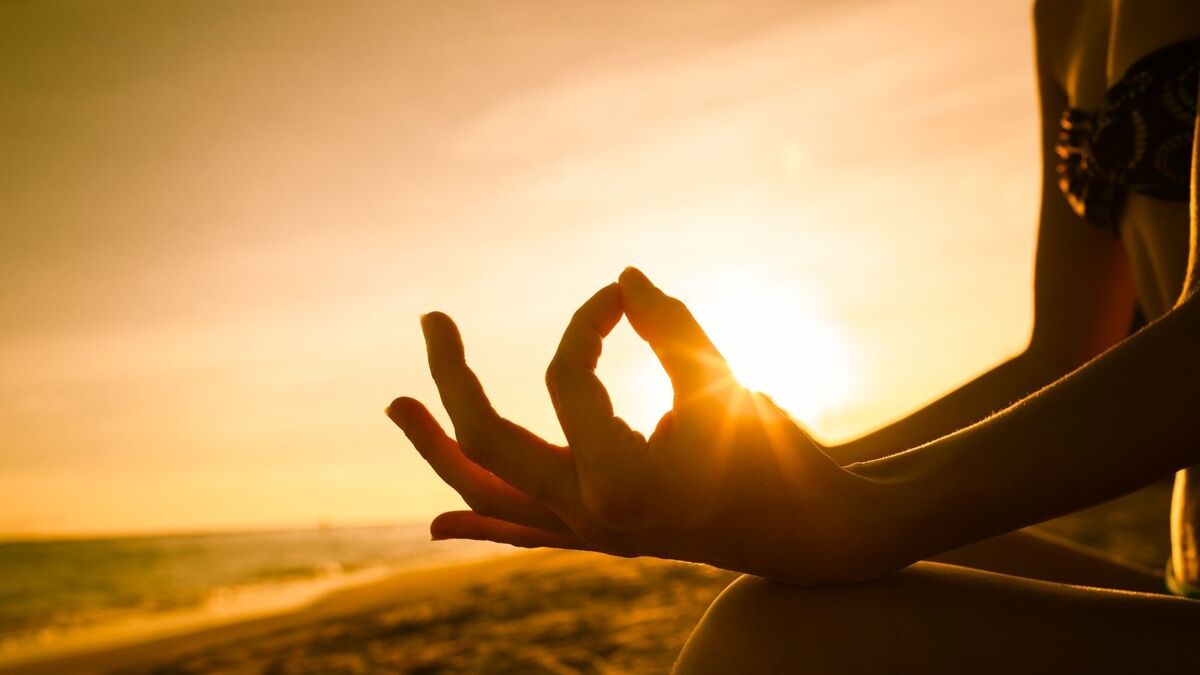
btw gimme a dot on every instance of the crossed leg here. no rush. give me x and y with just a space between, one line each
1036 555
938 618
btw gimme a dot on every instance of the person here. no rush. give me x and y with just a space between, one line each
901 551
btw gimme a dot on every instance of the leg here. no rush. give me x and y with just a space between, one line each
933 618
1036 555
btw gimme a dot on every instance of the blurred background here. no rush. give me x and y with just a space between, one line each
222 220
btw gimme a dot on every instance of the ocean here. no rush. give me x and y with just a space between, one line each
63 592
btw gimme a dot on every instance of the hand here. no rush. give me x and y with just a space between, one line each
727 478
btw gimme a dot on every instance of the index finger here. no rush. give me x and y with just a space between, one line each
584 409
697 370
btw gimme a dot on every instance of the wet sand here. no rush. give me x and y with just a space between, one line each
530 612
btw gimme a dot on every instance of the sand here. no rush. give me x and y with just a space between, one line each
529 612
532 612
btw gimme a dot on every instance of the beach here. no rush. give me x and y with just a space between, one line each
529 612
520 612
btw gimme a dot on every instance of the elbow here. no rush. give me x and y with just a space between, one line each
1188 307
1189 287
1044 361
1054 351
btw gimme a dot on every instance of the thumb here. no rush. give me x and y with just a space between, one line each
694 365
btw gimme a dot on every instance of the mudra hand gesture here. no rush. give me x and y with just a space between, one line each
727 478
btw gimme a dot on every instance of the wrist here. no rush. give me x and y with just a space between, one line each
903 516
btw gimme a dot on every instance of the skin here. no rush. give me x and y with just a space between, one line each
1087 282
695 490
729 479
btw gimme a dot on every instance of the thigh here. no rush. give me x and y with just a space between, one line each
1038 555
933 618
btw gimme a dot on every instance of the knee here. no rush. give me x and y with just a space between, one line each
762 626
757 625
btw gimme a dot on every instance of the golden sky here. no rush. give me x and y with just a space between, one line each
222 219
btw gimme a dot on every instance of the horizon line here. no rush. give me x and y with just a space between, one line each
40 537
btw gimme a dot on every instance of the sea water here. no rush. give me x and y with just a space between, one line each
54 591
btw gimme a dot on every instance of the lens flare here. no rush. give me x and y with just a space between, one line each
778 342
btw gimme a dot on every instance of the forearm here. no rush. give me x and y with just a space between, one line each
994 390
1122 421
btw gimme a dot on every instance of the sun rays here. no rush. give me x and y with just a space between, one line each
776 342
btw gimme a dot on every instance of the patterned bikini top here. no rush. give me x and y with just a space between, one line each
1140 139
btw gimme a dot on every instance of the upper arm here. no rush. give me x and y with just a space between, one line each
1083 289
1193 273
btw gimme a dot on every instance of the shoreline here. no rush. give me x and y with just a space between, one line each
514 611
125 645
526 611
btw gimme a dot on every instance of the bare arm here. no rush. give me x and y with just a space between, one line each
729 479
1083 301
1122 421
995 389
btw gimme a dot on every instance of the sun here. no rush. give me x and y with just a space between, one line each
775 338
778 342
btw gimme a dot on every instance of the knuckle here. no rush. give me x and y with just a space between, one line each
554 373
675 307
440 364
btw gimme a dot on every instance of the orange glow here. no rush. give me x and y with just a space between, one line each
778 345
220 231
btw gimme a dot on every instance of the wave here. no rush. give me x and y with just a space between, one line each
69 595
